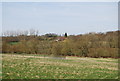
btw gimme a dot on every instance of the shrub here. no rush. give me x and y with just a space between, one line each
57 49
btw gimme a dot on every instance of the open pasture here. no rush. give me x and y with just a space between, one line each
16 66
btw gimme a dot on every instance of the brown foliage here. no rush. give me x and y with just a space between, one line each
88 45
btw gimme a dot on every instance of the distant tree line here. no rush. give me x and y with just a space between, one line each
87 45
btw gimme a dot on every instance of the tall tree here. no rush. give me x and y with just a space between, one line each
65 34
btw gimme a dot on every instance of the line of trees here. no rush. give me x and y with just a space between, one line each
87 45
30 32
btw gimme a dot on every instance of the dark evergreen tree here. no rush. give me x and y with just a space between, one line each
65 34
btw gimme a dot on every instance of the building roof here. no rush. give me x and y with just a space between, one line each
60 38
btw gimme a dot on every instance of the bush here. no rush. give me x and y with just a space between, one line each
66 47
57 49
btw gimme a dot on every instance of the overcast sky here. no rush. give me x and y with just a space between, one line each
60 17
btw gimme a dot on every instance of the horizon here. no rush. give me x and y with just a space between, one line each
15 33
59 17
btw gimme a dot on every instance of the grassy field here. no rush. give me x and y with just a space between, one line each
17 66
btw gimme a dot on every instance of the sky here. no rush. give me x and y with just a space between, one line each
60 0
60 17
0 18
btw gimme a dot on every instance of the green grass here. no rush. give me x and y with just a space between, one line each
38 67
13 43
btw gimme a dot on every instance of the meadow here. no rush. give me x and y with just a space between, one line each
28 66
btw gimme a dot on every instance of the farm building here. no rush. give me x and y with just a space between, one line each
60 38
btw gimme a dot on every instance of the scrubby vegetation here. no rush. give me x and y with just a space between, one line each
83 45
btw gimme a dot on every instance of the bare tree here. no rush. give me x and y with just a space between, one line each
25 33
37 32
32 32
